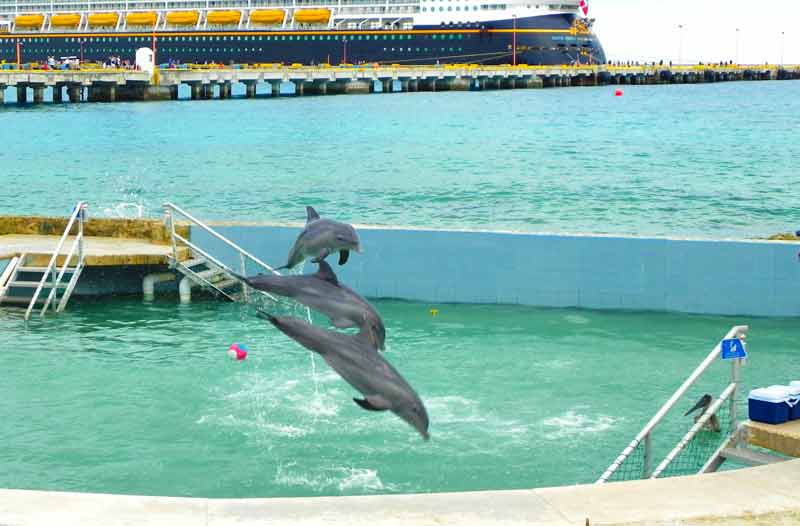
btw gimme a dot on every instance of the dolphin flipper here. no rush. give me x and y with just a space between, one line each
343 323
322 255
373 403
344 255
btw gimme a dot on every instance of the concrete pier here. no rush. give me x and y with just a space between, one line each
118 85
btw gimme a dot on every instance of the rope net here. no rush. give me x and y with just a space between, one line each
676 424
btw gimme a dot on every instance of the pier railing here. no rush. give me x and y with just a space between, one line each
643 467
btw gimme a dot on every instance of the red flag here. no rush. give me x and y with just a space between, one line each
585 7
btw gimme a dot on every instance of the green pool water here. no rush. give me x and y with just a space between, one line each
117 396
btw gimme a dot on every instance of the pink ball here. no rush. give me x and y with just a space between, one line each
237 351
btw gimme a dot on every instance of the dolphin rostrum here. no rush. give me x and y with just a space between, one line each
322 237
323 292
704 403
357 361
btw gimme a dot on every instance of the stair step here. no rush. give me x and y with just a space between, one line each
33 284
21 300
750 457
208 275
70 270
226 283
189 263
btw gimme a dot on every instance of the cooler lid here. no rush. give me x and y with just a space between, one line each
771 394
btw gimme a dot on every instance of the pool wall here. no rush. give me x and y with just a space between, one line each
721 277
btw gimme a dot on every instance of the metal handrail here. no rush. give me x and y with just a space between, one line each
645 434
77 214
169 208
711 411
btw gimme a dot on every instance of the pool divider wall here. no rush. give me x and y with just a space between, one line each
721 277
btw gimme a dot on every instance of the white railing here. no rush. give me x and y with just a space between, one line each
170 210
55 274
646 434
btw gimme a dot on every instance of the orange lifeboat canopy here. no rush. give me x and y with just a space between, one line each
312 16
183 18
224 18
267 16
29 21
141 19
103 19
66 20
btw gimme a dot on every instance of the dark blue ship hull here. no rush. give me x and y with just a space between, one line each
542 40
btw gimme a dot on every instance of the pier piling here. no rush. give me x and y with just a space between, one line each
113 85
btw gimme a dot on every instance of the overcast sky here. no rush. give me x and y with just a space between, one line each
648 30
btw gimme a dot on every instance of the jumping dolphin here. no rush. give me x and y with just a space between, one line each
323 292
704 403
322 237
358 362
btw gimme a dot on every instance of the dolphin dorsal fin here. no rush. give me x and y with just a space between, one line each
326 273
312 214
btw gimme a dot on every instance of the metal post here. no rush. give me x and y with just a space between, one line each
171 223
736 366
244 273
514 39
648 455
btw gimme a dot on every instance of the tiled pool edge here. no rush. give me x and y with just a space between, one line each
699 276
744 493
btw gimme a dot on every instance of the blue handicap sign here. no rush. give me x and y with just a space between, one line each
733 349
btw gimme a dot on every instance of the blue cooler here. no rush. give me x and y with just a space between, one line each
769 405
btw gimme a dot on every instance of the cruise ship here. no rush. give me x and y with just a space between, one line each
406 32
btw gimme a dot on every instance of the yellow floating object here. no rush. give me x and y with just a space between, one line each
312 16
103 19
224 17
70 20
267 16
29 21
434 312
183 18
141 19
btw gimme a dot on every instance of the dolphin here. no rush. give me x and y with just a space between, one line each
358 362
322 237
323 292
704 403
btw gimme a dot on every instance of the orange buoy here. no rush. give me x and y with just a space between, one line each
619 93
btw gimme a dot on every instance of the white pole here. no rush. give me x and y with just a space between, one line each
783 42
737 45
680 44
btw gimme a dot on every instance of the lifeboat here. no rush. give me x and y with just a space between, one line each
224 17
103 19
183 18
312 16
267 16
141 19
29 21
65 20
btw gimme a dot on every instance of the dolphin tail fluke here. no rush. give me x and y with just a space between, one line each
703 403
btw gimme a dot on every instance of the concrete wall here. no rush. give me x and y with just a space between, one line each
596 272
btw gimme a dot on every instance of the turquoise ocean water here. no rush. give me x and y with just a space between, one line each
706 160
117 395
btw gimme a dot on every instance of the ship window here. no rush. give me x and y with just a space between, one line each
458 8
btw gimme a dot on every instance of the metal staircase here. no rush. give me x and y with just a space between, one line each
698 450
23 283
203 269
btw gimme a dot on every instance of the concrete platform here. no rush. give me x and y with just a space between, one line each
763 495
784 438
100 251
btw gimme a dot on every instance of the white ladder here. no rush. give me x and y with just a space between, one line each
20 275
205 270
